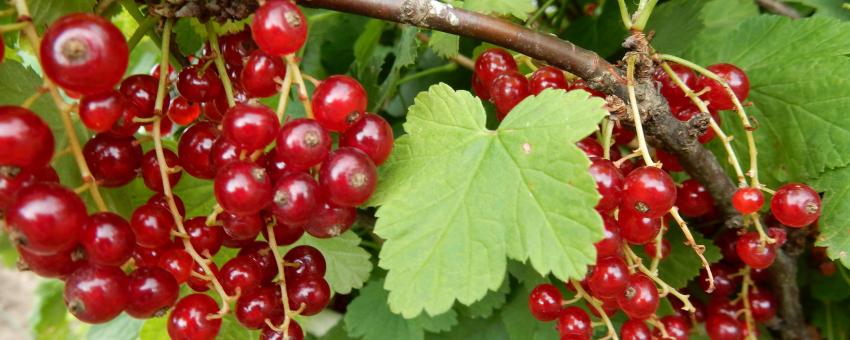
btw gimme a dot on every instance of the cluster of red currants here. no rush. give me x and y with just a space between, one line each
635 203
300 185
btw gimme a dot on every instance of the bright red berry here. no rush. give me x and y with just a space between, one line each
795 205
609 277
235 47
195 150
748 200
256 306
107 239
190 319
574 321
493 63
140 90
243 188
649 191
241 273
339 102
677 327
723 327
151 173
508 90
609 183
58 265
285 234
25 139
241 227
295 198
763 305
640 298
636 228
199 84
651 249
717 97
252 127
261 74
152 225
199 284
96 294
725 282
294 332
635 330
372 135
100 111
611 243
348 177
177 262
183 112
545 302
547 77
669 161
113 160
159 199
261 253
279 28
151 291
46 218
204 239
149 257
753 252
591 147
308 260
672 92
303 143
125 126
479 89
693 199
330 220
311 292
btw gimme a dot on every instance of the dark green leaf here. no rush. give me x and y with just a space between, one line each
682 264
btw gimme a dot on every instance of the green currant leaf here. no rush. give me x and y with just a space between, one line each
348 265
491 302
122 327
457 198
682 265
519 322
45 12
155 329
677 22
189 35
50 319
827 8
832 319
602 34
491 328
444 44
368 317
789 102
835 214
519 9
835 287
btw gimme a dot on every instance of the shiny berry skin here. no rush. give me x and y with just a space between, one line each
294 332
198 284
279 28
674 95
753 253
478 88
590 147
609 183
303 143
547 77
309 261
545 302
312 292
262 255
636 228
574 321
211 111
493 63
295 198
189 320
795 205
650 191
57 265
152 225
763 305
717 97
125 126
96 294
285 234
651 249
635 330
84 53
46 218
372 135
257 305
155 72
276 167
204 239
177 262
330 220
723 327
151 173
151 291
100 111
640 298
338 102
195 150
611 243
348 177
235 47
182 111
748 200
25 139
261 70
677 327
251 127
669 161
722 305
230 242
224 152
113 161
608 277
140 90
725 283
12 179
107 239
241 227
693 199
508 90
149 257
199 85
159 199
240 273
243 188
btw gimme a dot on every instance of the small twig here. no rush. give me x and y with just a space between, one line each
698 249
630 79
212 36
302 88
747 282
459 59
102 6
612 332
780 8
665 288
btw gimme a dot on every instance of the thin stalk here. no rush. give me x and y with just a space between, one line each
612 332
424 73
624 14
288 313
143 30
285 89
665 288
537 14
607 133
643 15
630 79
219 64
698 248
302 88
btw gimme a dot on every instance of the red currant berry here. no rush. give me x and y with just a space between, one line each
261 74
140 90
254 307
672 92
151 173
285 234
241 273
243 188
640 298
107 239
211 111
717 97
669 161
636 228
348 177
241 227
276 167
677 328
204 239
149 257
183 112
479 89
547 77
230 242
195 150
372 135
84 53
100 111
635 330
753 252
723 327
725 282
12 180
46 218
113 160
199 284
151 291
590 147
763 305
493 63
545 302
611 243
295 198
177 262
795 205
251 127
311 293
339 102
609 277
125 126
235 47
262 255
25 139
294 332
224 152
279 28
609 183
651 249
308 261
574 321
96 294
720 305
693 199
159 199
152 225
155 72
748 200
623 135
686 113
580 84
190 319
649 191
58 265
330 220
303 143
199 84
508 90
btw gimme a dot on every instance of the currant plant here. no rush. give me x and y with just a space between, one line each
236 169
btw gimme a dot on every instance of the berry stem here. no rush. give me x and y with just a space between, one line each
133 9
656 258
660 326
665 288
288 313
746 283
64 108
219 64
285 89
145 26
624 14
612 332
644 11
630 84
302 88
607 133
13 27
698 248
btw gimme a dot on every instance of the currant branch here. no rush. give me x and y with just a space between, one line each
212 36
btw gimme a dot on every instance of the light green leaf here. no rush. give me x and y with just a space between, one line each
444 44
231 329
49 318
45 12
457 198
835 214
682 265
348 265
368 317
155 329
197 195
827 8
122 327
405 53
517 8
189 35
677 23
